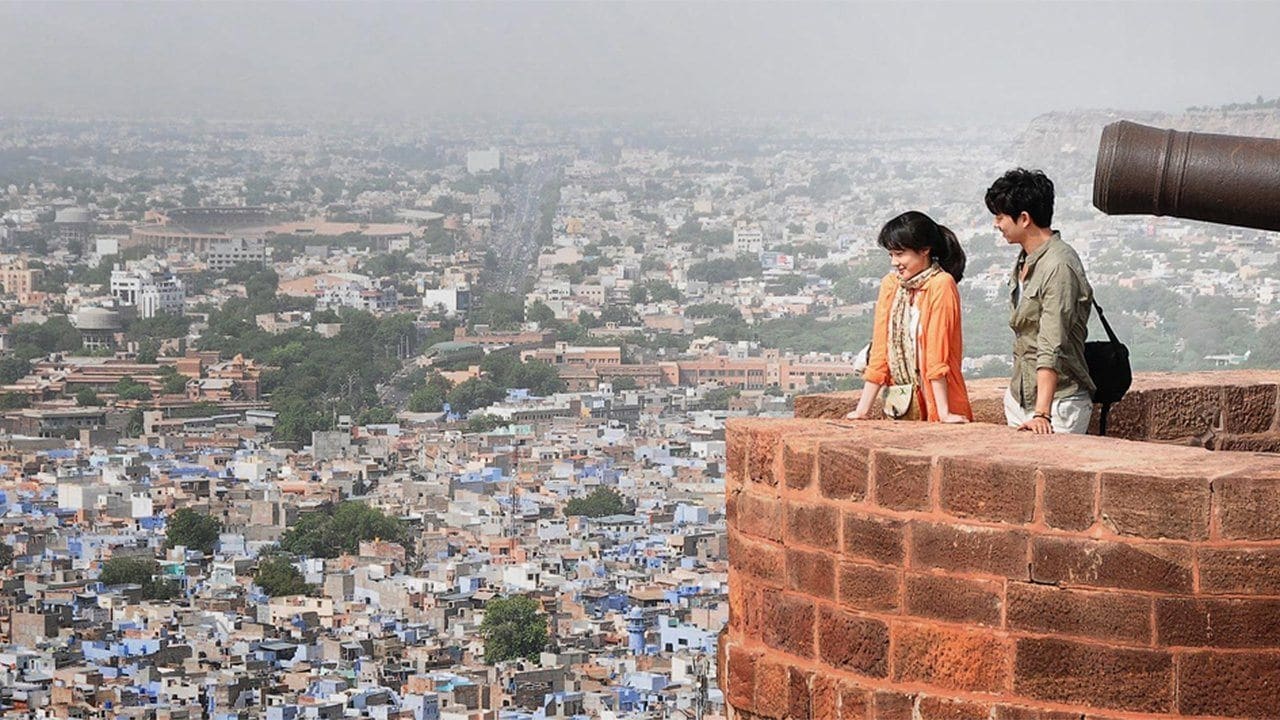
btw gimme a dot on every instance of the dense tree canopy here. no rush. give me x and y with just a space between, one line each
600 502
336 529
142 571
193 530
277 576
513 627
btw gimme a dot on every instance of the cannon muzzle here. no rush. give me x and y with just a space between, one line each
1199 176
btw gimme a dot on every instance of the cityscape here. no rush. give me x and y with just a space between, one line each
309 420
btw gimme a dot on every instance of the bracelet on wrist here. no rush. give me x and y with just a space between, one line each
1042 415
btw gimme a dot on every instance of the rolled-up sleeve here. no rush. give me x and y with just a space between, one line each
941 329
877 370
1058 294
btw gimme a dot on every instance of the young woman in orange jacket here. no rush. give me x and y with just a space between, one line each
916 344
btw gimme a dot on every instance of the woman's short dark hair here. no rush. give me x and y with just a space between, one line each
1019 191
916 231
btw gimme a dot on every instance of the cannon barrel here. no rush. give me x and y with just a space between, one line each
1225 179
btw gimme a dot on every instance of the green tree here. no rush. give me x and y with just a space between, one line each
12 369
600 502
484 423
624 383
540 313
6 556
127 388
142 571
174 383
86 397
430 397
333 530
377 415
277 576
128 570
513 627
718 398
14 401
474 393
193 530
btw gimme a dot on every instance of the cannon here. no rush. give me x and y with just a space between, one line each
1225 179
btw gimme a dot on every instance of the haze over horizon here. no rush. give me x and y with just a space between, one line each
864 61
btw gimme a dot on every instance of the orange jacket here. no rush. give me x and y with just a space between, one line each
940 347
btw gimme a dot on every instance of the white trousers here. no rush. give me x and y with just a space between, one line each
1070 414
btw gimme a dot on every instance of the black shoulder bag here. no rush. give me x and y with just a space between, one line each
1108 362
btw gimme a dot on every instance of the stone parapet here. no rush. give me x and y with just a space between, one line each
912 570
1219 410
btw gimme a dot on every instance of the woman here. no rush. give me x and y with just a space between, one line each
916 346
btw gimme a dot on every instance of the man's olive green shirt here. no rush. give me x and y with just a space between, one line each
1050 321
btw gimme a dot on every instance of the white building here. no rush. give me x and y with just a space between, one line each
479 161
150 294
748 238
226 254
450 301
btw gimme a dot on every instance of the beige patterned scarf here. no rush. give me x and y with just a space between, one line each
903 363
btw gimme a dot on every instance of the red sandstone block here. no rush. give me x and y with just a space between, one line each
757 559
954 659
773 681
855 702
761 516
901 479
1175 413
1239 571
799 693
1094 675
936 708
1111 615
788 623
742 677
868 537
1248 508
890 705
816 524
1012 712
797 461
993 489
735 462
1150 567
1267 442
1239 684
812 573
1218 623
824 697
954 599
762 450
1156 507
842 470
1248 409
1128 419
853 643
968 548
799 702
1068 498
868 587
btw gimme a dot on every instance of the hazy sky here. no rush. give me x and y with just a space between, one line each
883 61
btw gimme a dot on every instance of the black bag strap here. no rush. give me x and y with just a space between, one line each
1105 325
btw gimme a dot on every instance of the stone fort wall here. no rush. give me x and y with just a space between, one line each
910 570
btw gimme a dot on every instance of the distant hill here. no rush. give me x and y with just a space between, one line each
1065 144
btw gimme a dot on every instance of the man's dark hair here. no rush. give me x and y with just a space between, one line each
1019 191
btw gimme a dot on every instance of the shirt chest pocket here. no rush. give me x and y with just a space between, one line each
1026 314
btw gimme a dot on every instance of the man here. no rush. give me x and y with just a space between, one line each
1050 390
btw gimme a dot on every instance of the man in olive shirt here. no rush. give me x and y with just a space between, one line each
1050 390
